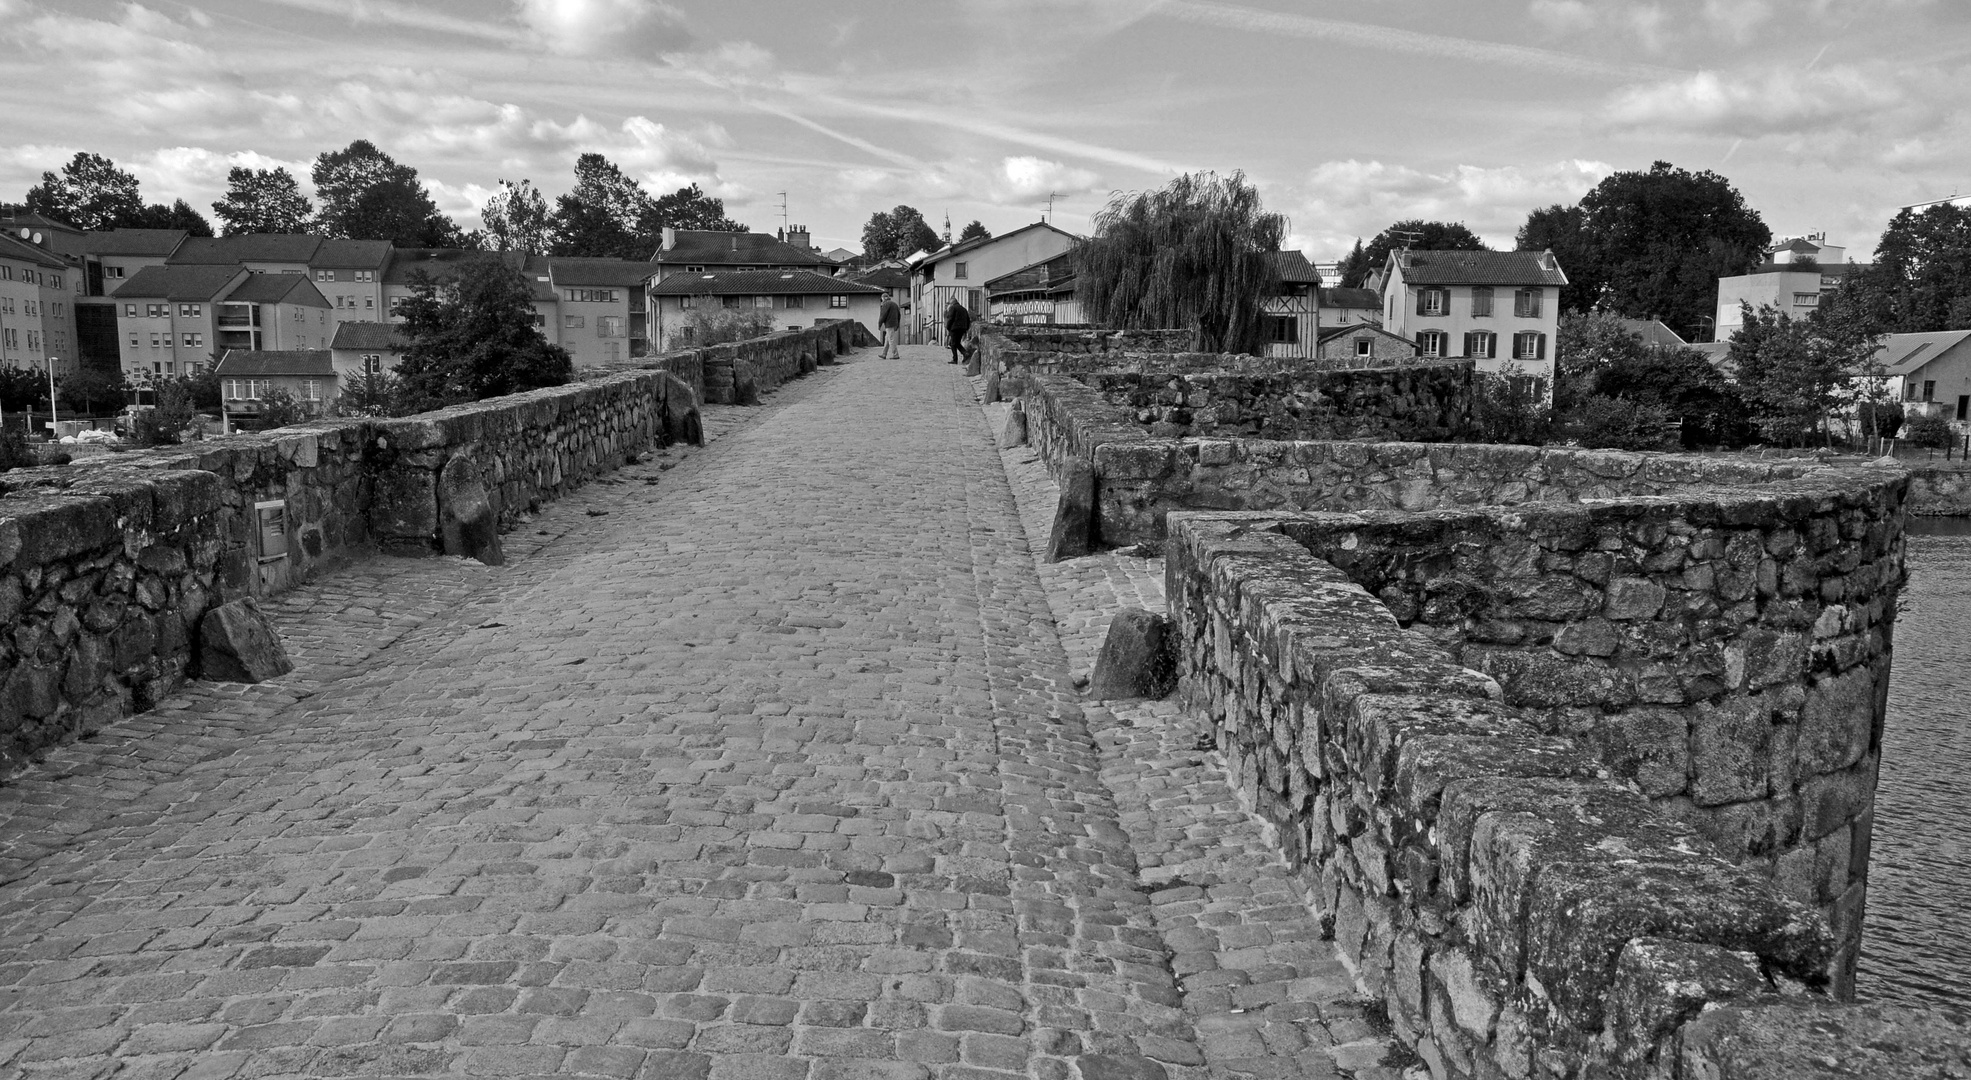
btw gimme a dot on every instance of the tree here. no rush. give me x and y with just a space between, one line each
90 387
517 219
1790 376
1921 279
897 233
473 336
165 422
1652 244
1599 359
686 208
179 215
373 393
263 201
974 231
1417 235
22 388
90 193
604 216
278 409
1197 253
366 195
1355 268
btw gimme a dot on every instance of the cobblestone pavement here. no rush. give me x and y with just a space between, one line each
764 765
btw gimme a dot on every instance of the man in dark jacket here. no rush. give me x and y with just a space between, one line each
956 322
889 322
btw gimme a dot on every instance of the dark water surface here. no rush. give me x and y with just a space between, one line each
1915 948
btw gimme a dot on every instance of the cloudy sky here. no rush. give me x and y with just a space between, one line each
1349 114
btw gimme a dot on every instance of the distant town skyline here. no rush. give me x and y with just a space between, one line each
1348 114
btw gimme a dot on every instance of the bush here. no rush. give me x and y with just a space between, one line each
1511 408
278 409
1931 431
1888 418
371 394
1609 423
716 326
15 453
165 423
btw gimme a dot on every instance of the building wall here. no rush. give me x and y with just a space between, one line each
1944 382
351 299
1001 256
1400 317
1777 289
1307 324
585 329
669 317
1382 346
170 356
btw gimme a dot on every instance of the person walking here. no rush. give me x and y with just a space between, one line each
957 322
889 322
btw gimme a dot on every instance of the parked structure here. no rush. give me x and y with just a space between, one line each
1791 279
960 272
794 299
1500 308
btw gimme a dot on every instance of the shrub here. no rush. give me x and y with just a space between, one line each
1610 423
1511 408
165 423
278 409
1930 431
15 453
1888 418
716 326
377 394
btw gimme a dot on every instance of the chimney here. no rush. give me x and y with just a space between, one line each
797 235
670 239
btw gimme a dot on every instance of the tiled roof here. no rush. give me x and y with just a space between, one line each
1329 333
360 254
760 283
151 242
439 262
246 247
1362 299
952 250
1294 269
1653 332
1054 274
1903 353
888 277
238 362
569 271
1479 268
22 251
704 247
277 289
371 336
178 282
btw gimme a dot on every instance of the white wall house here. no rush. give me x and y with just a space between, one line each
960 272
1500 308
792 299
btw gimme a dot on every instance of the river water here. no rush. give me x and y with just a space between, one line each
1915 944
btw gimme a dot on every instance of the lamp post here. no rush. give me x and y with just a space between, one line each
53 432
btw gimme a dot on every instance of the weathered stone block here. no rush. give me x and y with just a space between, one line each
468 507
238 643
1136 660
1074 533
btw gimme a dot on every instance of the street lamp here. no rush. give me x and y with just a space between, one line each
54 433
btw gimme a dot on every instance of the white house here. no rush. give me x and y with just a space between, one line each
1500 308
960 272
794 299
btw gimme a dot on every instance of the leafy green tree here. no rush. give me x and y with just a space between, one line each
278 409
686 208
517 219
373 393
165 423
366 195
975 230
89 193
179 215
603 216
1355 267
86 390
473 336
1195 254
22 388
896 233
1417 235
204 389
1791 377
1561 229
263 201
1920 281
1597 357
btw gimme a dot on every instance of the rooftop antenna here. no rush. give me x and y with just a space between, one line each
1408 237
783 214
1050 206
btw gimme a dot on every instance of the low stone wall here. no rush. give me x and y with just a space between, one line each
1140 478
108 564
1519 902
737 373
1940 491
1416 403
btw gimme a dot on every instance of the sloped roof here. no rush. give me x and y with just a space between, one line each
568 270
277 289
705 247
1294 269
1479 267
952 250
760 283
441 261
888 277
178 282
1903 354
1653 332
238 362
1329 333
360 254
1054 274
22 251
370 336
246 247
1362 299
150 242
839 255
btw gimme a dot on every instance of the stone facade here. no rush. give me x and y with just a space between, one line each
107 564
1529 898
1418 402
1939 490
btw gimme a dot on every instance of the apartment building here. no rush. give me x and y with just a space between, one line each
601 308
794 299
177 320
37 306
1500 308
350 274
1794 274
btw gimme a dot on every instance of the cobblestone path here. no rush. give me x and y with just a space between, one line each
765 766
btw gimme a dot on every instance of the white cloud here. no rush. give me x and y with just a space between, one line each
1027 178
1343 200
1750 104
645 29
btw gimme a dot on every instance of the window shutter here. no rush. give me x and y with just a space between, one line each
1423 301
1539 346
1471 342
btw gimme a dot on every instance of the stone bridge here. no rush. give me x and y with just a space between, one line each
762 759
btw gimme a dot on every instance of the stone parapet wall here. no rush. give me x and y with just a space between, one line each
1140 478
1415 403
737 373
1519 904
108 564
1940 491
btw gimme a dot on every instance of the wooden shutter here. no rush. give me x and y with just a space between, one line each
1423 301
1471 339
1539 346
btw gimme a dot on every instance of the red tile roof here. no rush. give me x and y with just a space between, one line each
1479 267
760 283
276 362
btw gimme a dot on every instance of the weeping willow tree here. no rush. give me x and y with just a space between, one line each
1196 254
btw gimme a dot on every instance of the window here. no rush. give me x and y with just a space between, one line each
112 271
155 342
1482 344
29 307
685 302
134 342
130 310
574 322
54 281
372 363
1964 406
1365 346
1481 302
365 275
57 305
838 301
1433 301
7 304
1929 389
794 301
311 390
694 269
686 336
193 341
1526 303
762 301
958 271
157 311
34 341
591 296
11 339
1529 345
1806 299
369 301
6 273
324 275
609 326
190 311
1431 343
1282 330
